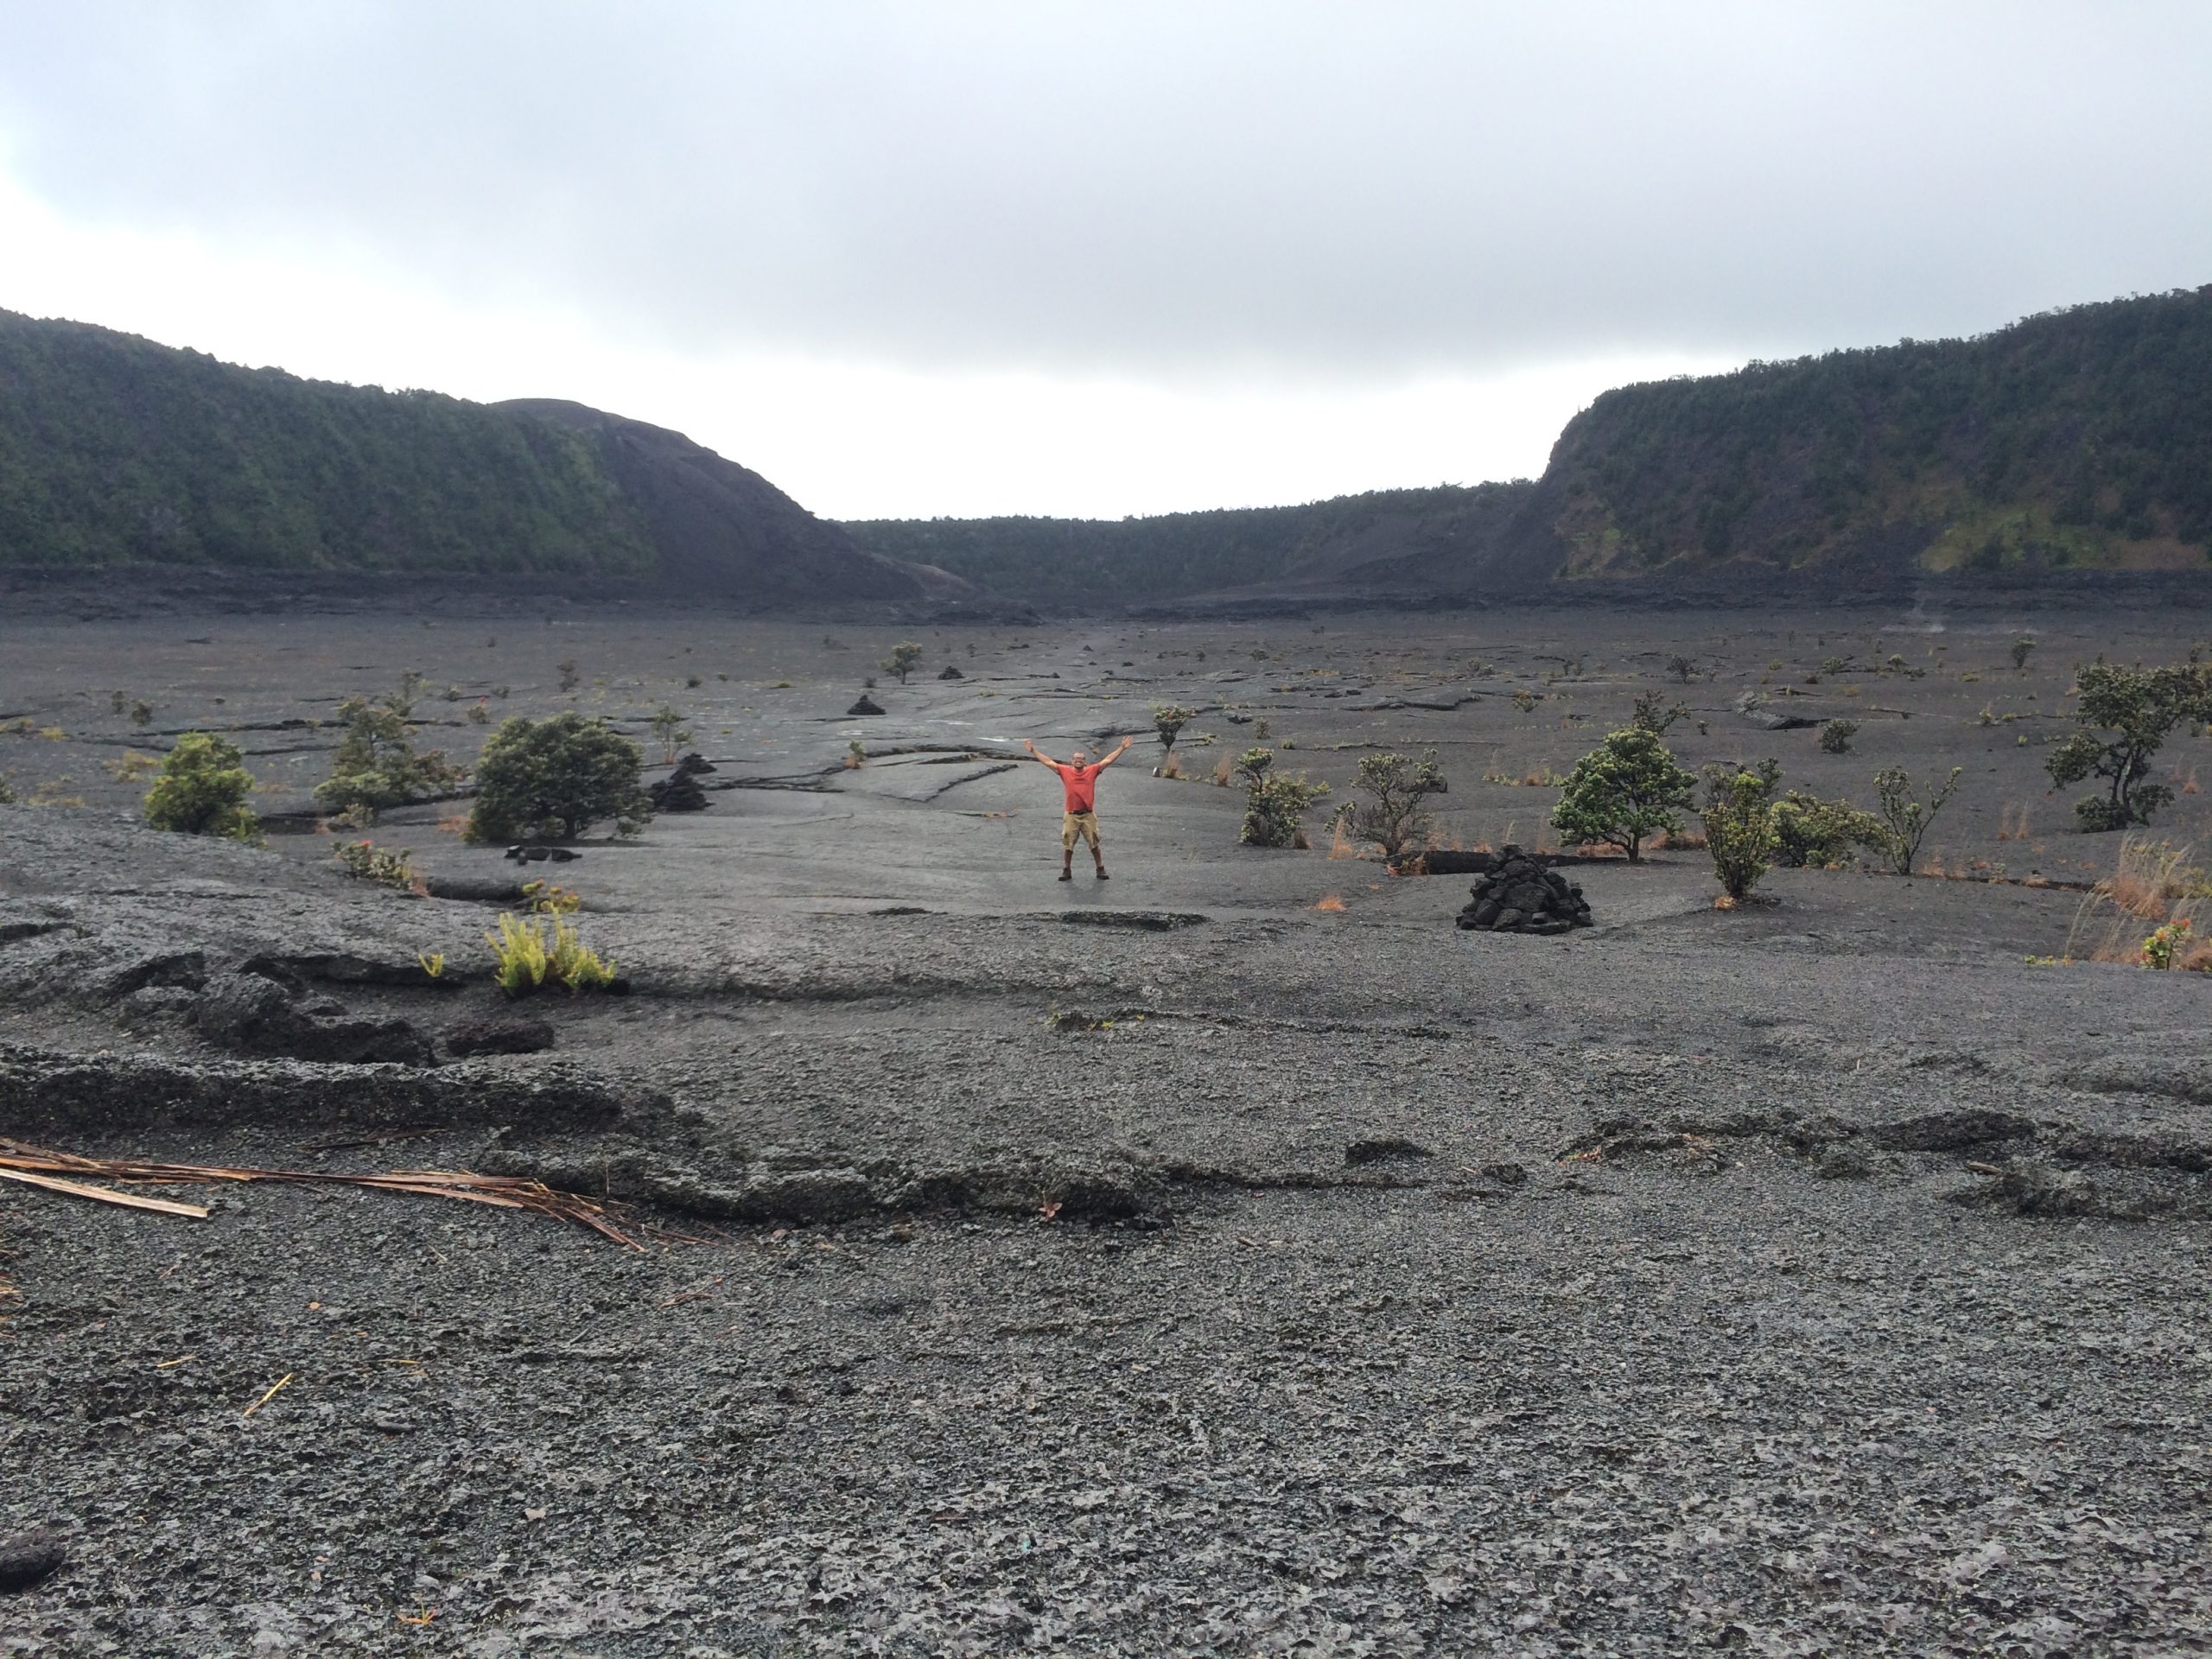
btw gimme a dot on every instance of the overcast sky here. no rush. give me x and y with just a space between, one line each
1097 258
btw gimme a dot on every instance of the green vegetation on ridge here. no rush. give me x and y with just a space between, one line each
116 450
1133 561
2081 437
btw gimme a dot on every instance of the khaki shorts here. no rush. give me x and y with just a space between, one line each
1076 826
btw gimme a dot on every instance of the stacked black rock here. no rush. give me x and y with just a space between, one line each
951 673
1522 896
867 705
679 791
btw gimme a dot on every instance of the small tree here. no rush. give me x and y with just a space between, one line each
1274 804
554 779
569 675
1396 819
375 766
2130 712
1739 828
1653 714
2021 647
1681 668
201 789
1905 818
669 733
1836 735
1623 791
904 659
1168 719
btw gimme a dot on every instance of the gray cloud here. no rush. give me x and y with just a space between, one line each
1269 190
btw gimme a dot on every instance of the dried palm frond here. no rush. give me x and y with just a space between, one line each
36 1165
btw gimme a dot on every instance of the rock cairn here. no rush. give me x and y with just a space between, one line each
867 705
679 791
951 673
1521 896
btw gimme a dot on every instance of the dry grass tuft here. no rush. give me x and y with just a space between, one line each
1331 902
2012 822
2155 884
454 824
1341 845
1170 767
1225 772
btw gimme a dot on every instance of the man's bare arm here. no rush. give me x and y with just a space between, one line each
1117 753
1038 754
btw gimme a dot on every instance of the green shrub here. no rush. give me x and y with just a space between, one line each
1625 790
2021 647
1395 819
1905 818
904 659
669 733
375 767
1811 831
1740 830
552 780
201 789
528 957
1168 719
1274 804
366 861
1836 735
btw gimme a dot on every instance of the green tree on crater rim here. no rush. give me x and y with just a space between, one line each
201 789
2130 711
552 780
375 766
1394 818
904 659
1622 792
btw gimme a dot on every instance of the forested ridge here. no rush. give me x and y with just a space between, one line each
2078 439
1073 559
114 450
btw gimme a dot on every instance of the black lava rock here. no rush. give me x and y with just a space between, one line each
679 791
530 854
951 673
1519 895
865 706
497 1033
262 1014
30 1559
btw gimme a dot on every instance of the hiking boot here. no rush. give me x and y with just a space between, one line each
1067 875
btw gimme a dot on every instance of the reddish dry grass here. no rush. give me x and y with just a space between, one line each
454 824
1331 902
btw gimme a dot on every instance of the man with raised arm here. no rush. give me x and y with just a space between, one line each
1081 818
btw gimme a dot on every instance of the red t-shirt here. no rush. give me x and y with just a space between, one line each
1082 783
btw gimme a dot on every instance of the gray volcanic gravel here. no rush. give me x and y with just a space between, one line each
1162 1265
